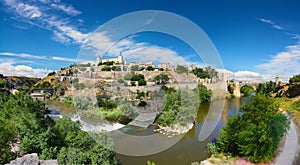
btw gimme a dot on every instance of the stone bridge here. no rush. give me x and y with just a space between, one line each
239 85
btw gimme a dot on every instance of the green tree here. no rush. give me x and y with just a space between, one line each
128 76
134 68
142 82
60 90
150 68
295 78
230 88
45 84
161 78
181 69
137 77
106 68
116 68
257 133
266 88
2 83
199 72
247 90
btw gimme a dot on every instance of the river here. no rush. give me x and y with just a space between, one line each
162 149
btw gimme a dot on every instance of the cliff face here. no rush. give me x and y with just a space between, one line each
288 90
15 81
293 91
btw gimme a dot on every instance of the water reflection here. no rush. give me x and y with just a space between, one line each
188 149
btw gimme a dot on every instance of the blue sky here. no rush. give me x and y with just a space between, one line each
255 39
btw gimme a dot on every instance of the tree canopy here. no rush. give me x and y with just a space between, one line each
247 90
257 133
295 78
22 119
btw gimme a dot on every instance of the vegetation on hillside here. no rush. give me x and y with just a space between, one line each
22 121
257 133
181 106
295 78
266 88
181 69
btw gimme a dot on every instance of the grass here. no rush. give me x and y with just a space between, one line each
111 115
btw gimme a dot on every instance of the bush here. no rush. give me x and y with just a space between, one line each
150 68
2 83
257 133
106 68
199 72
134 68
142 104
132 83
230 88
181 69
116 68
137 77
161 78
120 81
266 88
247 90
128 76
295 78
142 82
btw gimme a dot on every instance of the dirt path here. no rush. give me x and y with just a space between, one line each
286 157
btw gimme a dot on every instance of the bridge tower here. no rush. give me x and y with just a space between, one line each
236 91
277 81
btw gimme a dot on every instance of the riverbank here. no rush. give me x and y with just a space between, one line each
251 135
173 130
286 155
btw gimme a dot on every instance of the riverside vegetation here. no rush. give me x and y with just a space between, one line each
23 124
257 132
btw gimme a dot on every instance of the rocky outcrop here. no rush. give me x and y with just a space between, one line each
287 90
32 159
293 91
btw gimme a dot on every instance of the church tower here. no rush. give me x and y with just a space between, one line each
120 58
98 60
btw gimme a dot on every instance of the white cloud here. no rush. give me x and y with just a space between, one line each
30 56
24 10
8 69
72 33
59 37
23 55
67 9
285 63
274 25
250 76
39 15
131 50
63 59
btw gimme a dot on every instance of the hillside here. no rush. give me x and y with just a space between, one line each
18 82
51 81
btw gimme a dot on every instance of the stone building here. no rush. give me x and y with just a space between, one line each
118 59
166 66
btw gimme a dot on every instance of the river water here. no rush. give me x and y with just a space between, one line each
180 150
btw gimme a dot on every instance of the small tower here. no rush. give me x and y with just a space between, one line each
98 60
120 58
277 81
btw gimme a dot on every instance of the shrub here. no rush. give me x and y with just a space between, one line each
295 78
257 133
150 68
